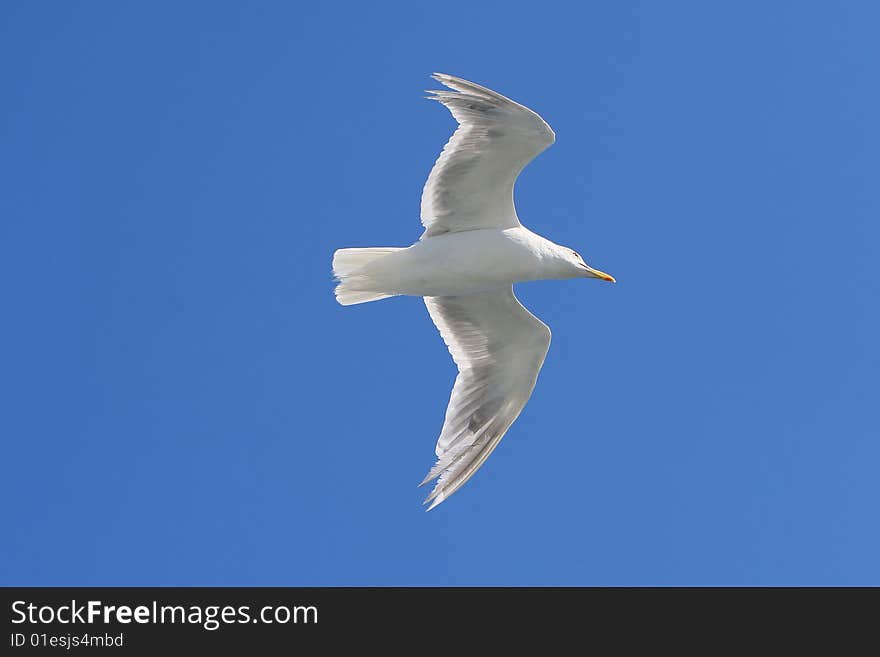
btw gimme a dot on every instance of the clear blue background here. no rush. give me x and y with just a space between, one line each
183 402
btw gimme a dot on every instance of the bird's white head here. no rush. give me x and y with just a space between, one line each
572 265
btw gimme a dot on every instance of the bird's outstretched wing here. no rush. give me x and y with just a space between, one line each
499 348
471 184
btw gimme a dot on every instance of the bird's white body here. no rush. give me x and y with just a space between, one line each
468 262
473 250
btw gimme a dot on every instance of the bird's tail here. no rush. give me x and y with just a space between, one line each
351 268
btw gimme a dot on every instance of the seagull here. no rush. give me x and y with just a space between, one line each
472 251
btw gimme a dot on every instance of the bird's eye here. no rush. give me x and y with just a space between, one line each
576 254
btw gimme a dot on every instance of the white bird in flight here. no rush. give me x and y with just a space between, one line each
473 250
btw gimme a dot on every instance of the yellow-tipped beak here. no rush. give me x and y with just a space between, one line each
595 273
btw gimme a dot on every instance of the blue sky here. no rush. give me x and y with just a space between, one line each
184 403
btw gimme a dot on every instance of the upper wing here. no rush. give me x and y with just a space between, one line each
471 184
499 348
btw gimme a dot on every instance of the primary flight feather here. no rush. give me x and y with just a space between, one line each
472 251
